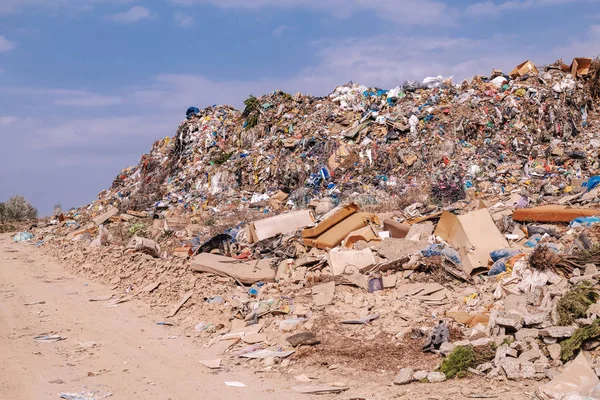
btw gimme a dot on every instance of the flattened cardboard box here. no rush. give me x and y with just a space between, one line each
474 236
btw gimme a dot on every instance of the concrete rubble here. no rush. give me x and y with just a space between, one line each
383 215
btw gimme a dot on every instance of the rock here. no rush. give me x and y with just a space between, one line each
514 302
512 320
512 353
512 369
420 375
405 376
420 231
535 319
482 342
485 367
434 377
515 369
554 350
526 333
590 269
541 367
389 281
269 361
576 272
530 355
303 339
528 370
447 348
558 331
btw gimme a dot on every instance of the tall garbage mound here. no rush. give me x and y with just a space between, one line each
489 136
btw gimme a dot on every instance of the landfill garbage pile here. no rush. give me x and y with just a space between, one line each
457 220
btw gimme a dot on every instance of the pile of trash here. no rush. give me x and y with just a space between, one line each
462 217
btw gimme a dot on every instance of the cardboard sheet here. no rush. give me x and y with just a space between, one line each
334 236
331 219
284 223
247 272
474 236
350 261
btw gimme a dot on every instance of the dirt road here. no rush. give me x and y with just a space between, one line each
120 350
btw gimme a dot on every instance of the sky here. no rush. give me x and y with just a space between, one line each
86 86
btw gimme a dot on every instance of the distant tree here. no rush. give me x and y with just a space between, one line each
19 209
2 212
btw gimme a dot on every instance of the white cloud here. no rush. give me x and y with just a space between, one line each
183 19
134 14
64 97
6 45
588 47
405 12
17 6
7 120
278 32
490 8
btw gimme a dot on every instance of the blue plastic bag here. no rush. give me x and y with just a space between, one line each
499 266
22 236
533 240
192 111
503 253
592 182
584 221
441 250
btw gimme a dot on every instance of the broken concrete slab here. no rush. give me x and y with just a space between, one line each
323 293
245 272
558 331
577 379
396 249
420 231
526 333
253 338
389 281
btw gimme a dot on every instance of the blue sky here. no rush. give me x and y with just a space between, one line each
86 86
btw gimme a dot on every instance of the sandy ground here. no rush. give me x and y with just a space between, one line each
122 350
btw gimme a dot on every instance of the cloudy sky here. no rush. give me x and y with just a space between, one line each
86 86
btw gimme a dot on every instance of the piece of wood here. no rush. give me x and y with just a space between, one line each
319 389
183 300
149 288
552 213
102 218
